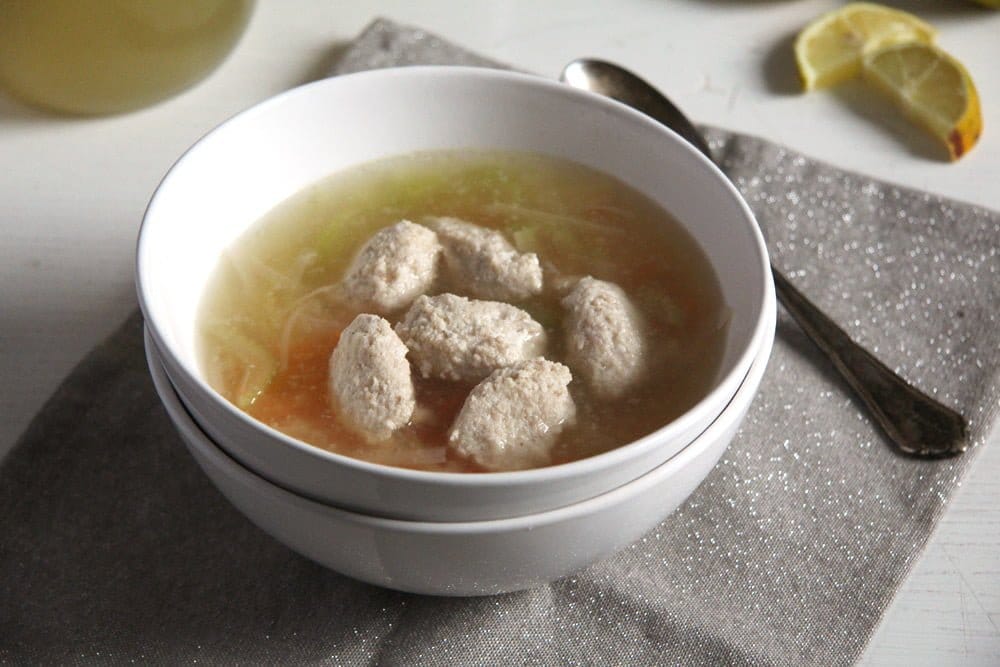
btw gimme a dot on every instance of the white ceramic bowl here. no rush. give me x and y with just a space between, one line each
242 169
464 558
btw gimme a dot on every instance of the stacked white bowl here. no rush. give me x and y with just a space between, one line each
440 533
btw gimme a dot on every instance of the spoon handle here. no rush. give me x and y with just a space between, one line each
915 422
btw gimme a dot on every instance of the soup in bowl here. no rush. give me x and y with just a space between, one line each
451 294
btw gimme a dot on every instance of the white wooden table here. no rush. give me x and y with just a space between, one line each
72 193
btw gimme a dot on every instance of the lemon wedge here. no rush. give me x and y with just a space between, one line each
830 49
932 88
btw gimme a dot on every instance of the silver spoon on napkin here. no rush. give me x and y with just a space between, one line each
915 422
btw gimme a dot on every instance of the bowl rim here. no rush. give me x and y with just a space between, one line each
735 410
609 459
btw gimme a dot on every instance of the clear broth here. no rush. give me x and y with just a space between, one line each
271 316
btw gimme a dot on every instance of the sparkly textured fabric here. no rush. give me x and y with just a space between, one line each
115 548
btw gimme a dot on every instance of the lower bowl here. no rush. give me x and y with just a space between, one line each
463 558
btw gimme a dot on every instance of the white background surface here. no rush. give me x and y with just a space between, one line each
72 193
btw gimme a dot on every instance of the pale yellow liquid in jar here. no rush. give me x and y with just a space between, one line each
109 56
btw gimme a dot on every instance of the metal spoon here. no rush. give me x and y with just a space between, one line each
916 423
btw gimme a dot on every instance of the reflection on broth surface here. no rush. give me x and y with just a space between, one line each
274 310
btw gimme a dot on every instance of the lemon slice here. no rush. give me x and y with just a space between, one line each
829 50
932 88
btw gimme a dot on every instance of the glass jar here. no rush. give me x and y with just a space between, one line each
109 56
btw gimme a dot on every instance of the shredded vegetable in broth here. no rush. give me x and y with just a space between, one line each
274 309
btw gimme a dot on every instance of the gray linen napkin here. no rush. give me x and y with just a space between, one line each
116 548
